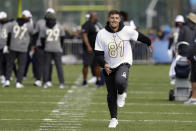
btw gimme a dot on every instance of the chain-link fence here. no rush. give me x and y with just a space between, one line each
73 52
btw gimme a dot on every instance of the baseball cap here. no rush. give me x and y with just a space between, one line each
179 18
3 15
192 17
51 10
27 13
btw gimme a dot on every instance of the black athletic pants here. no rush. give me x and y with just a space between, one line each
39 63
48 57
116 83
29 61
21 60
3 64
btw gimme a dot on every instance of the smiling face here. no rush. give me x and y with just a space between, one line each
114 20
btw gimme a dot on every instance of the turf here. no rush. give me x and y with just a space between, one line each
85 109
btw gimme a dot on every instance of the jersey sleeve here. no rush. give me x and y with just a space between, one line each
43 33
36 30
133 33
31 30
85 28
99 43
9 27
62 31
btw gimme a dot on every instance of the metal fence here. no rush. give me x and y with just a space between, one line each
73 47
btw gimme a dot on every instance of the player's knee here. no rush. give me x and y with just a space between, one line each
121 83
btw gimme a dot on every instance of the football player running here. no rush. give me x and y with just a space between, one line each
114 53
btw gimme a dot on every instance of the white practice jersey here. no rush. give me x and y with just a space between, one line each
116 46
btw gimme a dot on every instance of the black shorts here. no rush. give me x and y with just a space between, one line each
87 58
193 73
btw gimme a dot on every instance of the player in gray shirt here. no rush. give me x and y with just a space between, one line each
52 37
20 32
3 42
39 52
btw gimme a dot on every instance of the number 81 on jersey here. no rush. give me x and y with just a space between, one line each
113 49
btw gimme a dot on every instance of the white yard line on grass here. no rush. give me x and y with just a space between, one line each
147 92
63 124
141 112
97 112
144 104
69 112
153 121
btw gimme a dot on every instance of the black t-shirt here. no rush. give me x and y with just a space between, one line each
91 29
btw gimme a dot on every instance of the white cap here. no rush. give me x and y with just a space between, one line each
50 10
179 18
3 15
87 16
27 13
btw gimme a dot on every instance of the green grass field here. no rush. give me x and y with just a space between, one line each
85 109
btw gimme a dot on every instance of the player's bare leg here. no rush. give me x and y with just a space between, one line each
192 100
194 90
85 73
98 75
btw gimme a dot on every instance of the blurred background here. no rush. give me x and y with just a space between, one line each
72 12
146 14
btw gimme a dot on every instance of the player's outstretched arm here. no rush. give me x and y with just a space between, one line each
144 39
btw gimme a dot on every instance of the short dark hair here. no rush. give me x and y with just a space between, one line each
112 12
124 15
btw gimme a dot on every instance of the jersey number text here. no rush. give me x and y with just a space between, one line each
52 34
113 49
19 32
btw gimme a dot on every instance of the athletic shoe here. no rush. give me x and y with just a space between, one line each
92 80
84 84
121 99
19 85
99 84
113 123
172 81
191 101
6 83
62 86
125 93
38 83
49 84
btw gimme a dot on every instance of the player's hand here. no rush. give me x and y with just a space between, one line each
31 53
107 68
150 48
169 52
5 49
90 49
188 62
